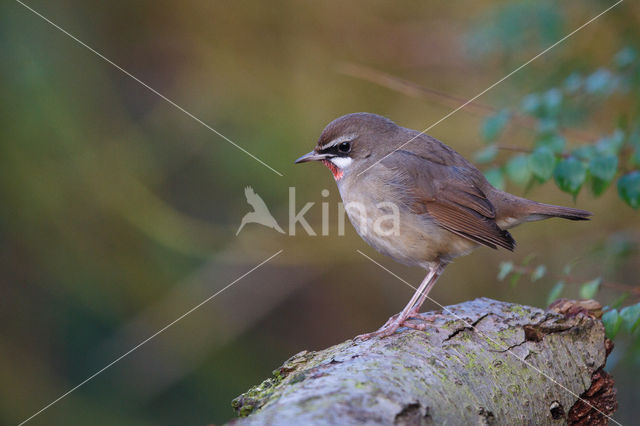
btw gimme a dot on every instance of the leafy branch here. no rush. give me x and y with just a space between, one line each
599 162
614 317
555 116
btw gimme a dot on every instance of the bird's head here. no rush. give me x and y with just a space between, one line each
350 142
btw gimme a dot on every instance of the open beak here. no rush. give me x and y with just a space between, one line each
312 156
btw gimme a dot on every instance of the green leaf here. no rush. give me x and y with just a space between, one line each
495 178
629 189
552 140
570 174
494 125
604 167
505 269
555 292
612 322
544 106
538 273
553 101
518 170
531 103
625 57
600 82
585 152
541 163
589 289
573 83
486 155
611 144
631 317
568 268
603 170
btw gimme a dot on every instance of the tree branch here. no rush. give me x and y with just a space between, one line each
483 361
415 90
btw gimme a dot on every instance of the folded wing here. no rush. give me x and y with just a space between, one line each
452 195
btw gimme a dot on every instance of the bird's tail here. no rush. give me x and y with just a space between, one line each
539 211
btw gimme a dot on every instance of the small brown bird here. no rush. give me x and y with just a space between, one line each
422 204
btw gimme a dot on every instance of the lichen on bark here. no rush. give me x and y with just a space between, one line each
482 361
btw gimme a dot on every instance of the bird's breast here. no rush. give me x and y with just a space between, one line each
381 217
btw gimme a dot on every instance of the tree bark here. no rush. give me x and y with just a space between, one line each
481 362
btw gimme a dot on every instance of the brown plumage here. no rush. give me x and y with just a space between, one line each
445 205
452 196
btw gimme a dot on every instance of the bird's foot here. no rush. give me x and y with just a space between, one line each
390 320
426 321
387 329
394 322
425 317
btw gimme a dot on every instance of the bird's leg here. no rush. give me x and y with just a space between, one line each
412 307
415 310
412 302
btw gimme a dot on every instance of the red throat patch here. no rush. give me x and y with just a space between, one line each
337 173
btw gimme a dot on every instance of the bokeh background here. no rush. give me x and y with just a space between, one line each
119 212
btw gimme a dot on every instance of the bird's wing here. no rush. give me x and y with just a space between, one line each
430 148
451 194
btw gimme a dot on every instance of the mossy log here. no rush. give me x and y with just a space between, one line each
481 362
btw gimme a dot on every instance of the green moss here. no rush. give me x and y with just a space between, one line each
472 360
518 309
245 410
514 389
277 374
259 395
254 398
495 345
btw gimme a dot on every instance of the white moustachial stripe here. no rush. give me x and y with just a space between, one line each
341 162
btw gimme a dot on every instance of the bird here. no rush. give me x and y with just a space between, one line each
444 206
260 213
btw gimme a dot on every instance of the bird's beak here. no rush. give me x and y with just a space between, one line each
312 156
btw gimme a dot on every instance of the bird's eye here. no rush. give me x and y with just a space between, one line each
344 147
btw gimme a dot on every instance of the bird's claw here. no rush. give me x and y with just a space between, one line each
393 323
384 331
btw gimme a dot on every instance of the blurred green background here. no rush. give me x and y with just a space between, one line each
119 212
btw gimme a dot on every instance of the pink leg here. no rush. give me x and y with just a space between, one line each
415 311
412 308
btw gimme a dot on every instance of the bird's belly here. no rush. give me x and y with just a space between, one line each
412 239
